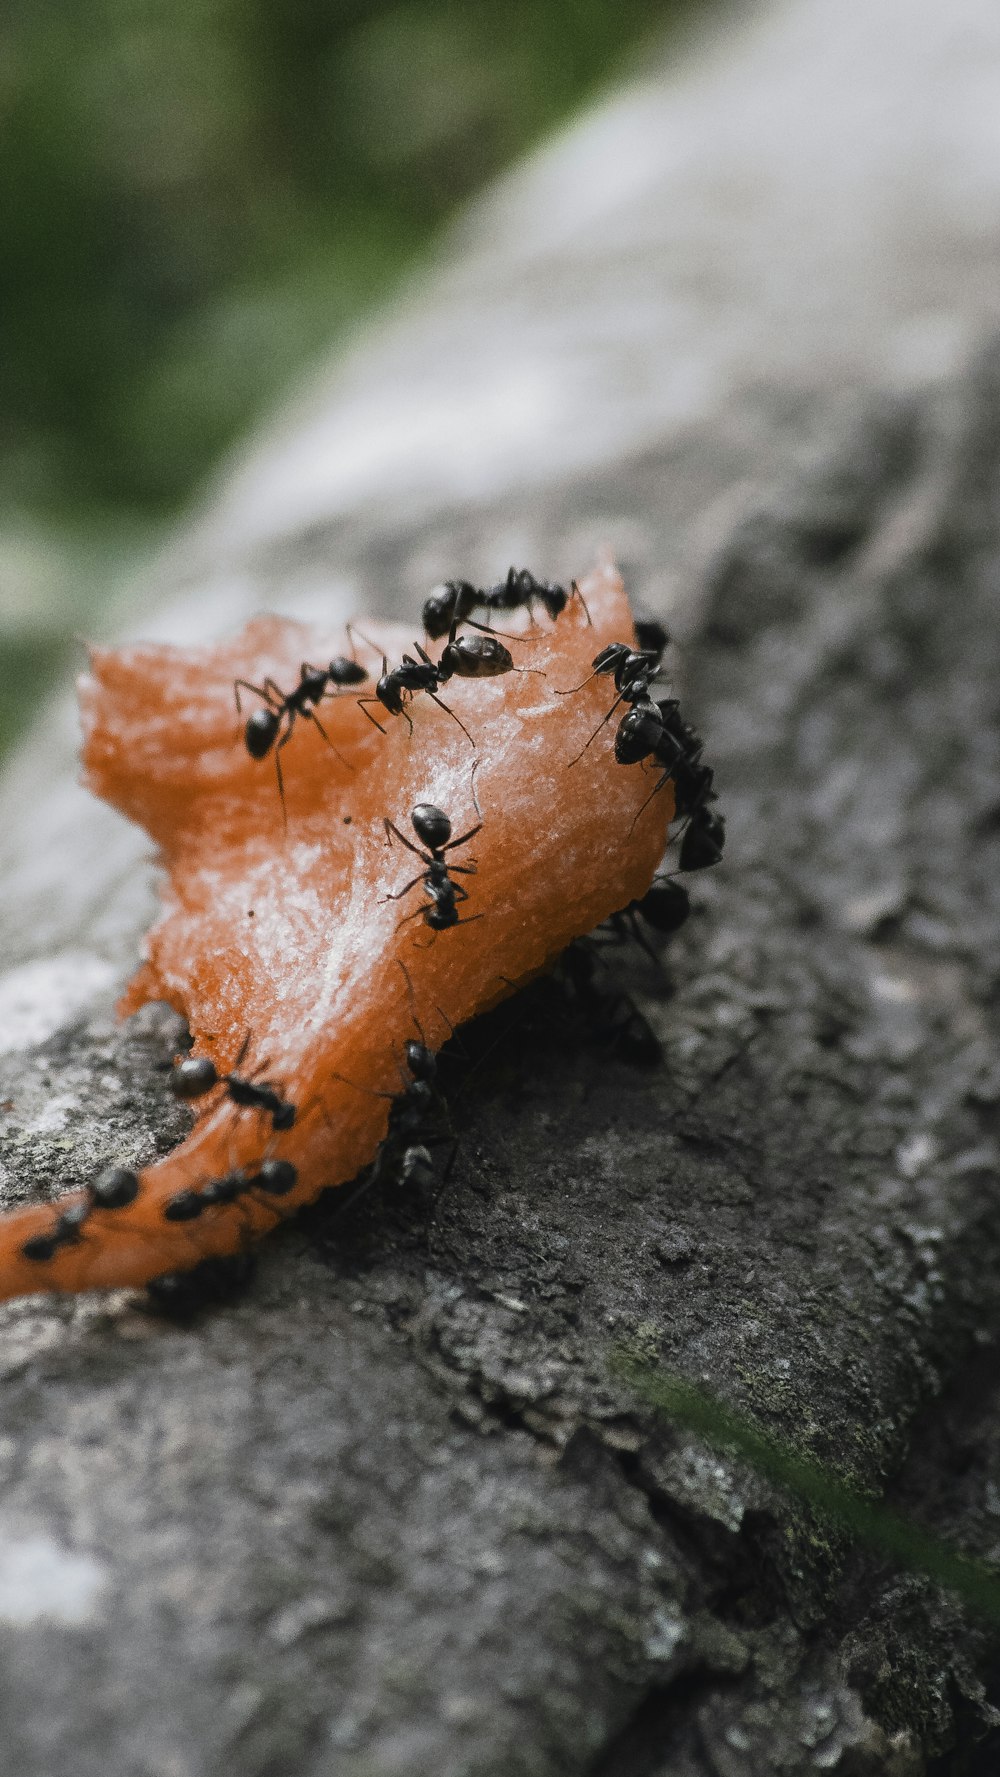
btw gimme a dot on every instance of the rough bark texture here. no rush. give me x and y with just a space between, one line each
394 1510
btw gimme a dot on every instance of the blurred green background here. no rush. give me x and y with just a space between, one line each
199 195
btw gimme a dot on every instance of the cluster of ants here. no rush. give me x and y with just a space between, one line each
649 728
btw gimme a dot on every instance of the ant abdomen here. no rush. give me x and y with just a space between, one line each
193 1077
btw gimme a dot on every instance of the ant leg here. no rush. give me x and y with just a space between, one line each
398 896
258 691
460 891
653 792
391 827
352 632
361 701
281 781
472 787
417 913
370 1090
596 732
453 716
412 997
575 688
471 834
463 869
312 717
471 919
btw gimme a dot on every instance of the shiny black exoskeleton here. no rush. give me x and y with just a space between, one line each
273 1178
456 600
395 689
433 827
610 1015
703 841
198 1074
180 1294
664 907
634 672
281 709
114 1188
474 657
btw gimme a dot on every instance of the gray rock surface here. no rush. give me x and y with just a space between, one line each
396 1508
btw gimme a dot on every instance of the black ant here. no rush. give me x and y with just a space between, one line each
457 600
433 827
197 1074
665 906
395 689
179 1294
658 732
477 657
114 1188
704 839
633 670
275 1178
264 727
401 1155
612 1018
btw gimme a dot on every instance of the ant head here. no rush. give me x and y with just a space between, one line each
283 1117
421 1061
261 731
431 825
193 1077
608 658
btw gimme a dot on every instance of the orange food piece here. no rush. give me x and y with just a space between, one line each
282 939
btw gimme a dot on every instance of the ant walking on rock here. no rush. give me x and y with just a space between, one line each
404 1156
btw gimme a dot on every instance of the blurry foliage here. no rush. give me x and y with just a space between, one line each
198 194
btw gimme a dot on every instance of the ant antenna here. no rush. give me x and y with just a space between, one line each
413 1002
353 631
575 592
